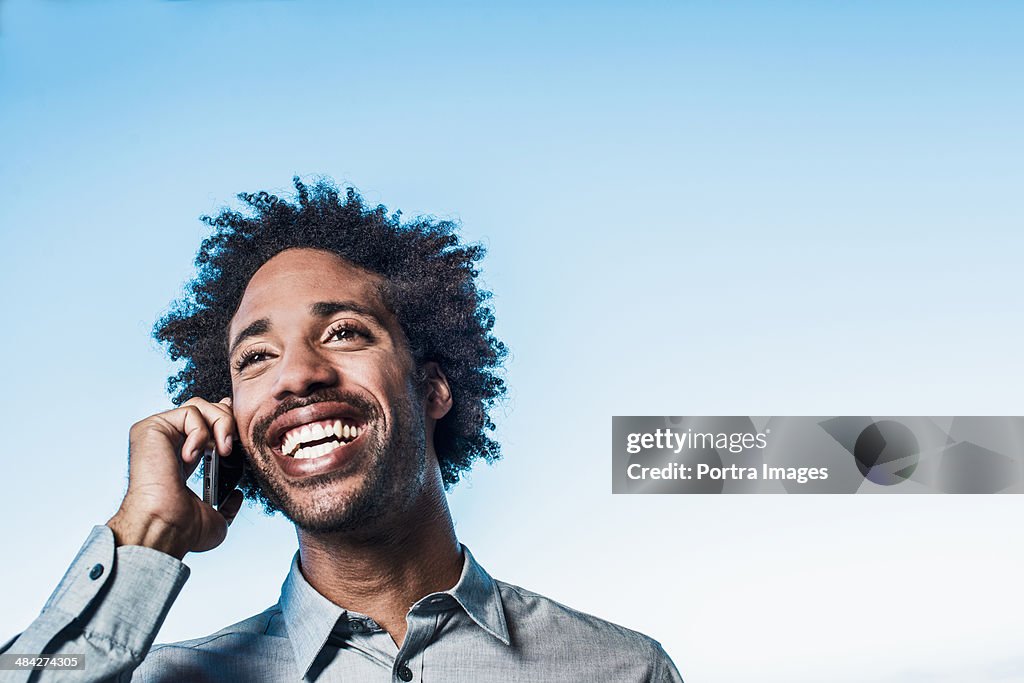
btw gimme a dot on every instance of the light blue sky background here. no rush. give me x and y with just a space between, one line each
691 208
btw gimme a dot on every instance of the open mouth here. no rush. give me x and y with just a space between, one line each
316 439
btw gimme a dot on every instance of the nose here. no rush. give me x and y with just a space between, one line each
301 371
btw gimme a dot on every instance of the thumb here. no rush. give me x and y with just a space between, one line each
232 505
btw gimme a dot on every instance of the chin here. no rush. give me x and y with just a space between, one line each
330 503
334 515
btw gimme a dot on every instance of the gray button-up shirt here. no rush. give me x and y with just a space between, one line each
480 631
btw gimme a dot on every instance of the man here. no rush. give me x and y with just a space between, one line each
350 357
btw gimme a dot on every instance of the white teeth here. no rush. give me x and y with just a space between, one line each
293 441
317 451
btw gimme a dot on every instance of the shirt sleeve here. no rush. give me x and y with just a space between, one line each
108 608
665 670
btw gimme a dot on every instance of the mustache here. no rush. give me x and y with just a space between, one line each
367 410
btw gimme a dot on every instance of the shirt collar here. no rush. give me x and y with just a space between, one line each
478 594
310 617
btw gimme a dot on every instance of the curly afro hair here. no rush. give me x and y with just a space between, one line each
429 284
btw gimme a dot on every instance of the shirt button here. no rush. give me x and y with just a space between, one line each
405 673
356 627
96 571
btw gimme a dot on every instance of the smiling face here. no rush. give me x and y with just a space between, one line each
323 395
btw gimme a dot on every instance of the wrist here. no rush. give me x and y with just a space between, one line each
151 533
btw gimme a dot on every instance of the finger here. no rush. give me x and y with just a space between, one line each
188 467
220 419
189 420
214 528
211 526
161 451
226 401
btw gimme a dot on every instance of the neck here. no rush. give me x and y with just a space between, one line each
382 575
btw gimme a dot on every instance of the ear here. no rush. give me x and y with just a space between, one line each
439 394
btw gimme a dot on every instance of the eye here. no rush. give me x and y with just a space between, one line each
249 357
347 331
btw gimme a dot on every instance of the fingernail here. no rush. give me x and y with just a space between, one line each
229 442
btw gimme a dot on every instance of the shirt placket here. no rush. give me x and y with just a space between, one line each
408 666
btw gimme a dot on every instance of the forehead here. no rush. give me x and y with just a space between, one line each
295 278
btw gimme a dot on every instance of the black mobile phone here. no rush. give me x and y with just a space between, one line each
221 475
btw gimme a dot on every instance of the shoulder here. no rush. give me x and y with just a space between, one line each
264 624
231 650
532 616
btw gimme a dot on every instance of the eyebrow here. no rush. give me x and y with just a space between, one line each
325 309
320 309
261 326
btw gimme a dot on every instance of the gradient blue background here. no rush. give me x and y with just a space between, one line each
691 208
